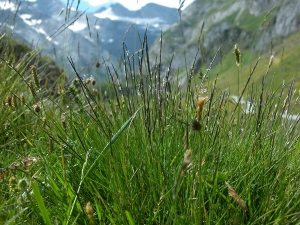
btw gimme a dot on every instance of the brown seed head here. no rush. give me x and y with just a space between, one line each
36 108
31 88
14 101
95 91
22 98
89 211
236 197
44 119
35 76
88 80
238 55
195 125
97 64
9 101
271 61
188 156
200 104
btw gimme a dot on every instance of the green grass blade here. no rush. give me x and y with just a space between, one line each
129 218
12 220
114 138
41 204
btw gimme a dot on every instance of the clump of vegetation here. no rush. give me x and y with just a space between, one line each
146 149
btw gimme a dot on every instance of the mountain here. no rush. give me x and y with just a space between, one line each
86 37
256 25
150 11
150 15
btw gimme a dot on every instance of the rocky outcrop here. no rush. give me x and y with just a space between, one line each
254 24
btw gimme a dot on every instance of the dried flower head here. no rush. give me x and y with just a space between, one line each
200 103
89 211
95 91
186 163
238 55
93 81
35 76
201 75
9 101
88 80
44 119
187 160
236 197
97 64
195 125
30 84
14 101
22 98
187 157
271 61
36 108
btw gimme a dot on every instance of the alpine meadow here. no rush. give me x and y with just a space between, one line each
201 127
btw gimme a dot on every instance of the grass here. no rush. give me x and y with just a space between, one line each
126 153
283 68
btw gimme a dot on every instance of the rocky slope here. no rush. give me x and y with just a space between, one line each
256 25
88 38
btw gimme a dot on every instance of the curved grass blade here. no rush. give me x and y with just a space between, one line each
83 176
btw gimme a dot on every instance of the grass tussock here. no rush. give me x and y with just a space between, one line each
145 149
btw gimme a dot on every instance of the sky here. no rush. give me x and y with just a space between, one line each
130 4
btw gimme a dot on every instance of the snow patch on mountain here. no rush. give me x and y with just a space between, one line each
7 5
77 26
31 22
109 14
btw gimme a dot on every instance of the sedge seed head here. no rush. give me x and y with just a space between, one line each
187 156
14 101
22 98
200 104
195 125
88 80
238 55
31 88
35 76
9 101
97 64
89 211
36 108
95 91
271 61
236 197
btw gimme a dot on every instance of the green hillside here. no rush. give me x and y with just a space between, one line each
259 29
284 69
